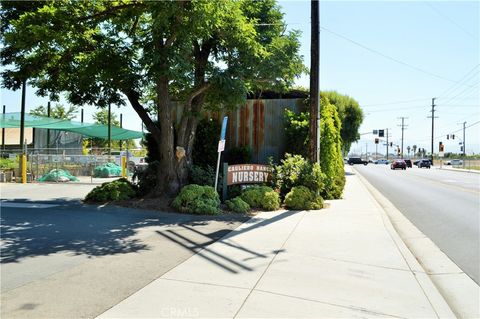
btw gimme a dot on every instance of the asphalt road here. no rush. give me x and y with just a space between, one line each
63 259
444 205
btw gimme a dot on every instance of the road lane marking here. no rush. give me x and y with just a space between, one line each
26 205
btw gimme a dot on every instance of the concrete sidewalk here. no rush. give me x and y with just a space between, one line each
345 261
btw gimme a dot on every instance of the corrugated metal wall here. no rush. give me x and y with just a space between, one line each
259 124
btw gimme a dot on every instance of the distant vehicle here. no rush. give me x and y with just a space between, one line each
423 159
454 162
356 160
424 163
408 162
398 163
382 161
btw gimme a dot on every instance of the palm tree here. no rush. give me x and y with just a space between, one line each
414 147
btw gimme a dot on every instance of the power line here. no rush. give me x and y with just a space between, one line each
449 19
397 102
465 78
388 57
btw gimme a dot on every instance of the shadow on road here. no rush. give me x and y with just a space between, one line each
70 226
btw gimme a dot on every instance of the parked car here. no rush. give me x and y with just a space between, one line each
356 160
408 162
382 161
398 163
424 163
454 162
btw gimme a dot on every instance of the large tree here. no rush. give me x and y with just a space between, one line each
202 53
350 115
57 112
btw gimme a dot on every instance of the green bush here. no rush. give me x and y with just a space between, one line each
147 179
120 189
238 205
238 155
6 163
262 197
204 147
196 199
293 171
301 197
202 175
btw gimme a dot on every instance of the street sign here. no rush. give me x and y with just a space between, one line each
221 146
441 154
224 128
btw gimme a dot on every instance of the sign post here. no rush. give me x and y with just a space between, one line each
221 147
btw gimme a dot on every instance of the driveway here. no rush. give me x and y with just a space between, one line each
61 258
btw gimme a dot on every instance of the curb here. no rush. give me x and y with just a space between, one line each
459 170
458 292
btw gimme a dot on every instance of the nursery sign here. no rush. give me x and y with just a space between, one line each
248 174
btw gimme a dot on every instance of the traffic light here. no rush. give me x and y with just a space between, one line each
453 136
381 133
391 144
440 147
376 140
448 136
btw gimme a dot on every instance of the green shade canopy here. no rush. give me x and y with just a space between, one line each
12 120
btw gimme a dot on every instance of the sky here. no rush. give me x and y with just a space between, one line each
393 58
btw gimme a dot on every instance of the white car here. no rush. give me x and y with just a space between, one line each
454 162
382 161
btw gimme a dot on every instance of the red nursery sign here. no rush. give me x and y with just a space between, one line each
248 174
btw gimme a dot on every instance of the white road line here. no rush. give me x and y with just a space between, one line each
26 205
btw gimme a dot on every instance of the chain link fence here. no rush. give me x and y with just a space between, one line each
43 161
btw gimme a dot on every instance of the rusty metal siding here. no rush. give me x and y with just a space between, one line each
257 124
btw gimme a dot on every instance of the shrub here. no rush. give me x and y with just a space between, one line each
238 155
196 199
238 205
293 171
296 132
205 147
120 189
202 175
301 197
147 178
262 197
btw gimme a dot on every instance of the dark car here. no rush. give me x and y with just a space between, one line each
423 159
356 160
424 163
408 162
398 163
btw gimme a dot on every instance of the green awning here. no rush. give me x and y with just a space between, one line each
12 120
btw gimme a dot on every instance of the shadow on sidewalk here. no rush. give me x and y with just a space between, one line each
203 251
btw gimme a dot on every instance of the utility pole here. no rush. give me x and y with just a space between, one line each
433 121
109 129
121 126
314 146
464 141
81 115
403 128
3 130
387 142
22 117
48 130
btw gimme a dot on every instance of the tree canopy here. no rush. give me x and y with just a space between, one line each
350 115
202 53
57 112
